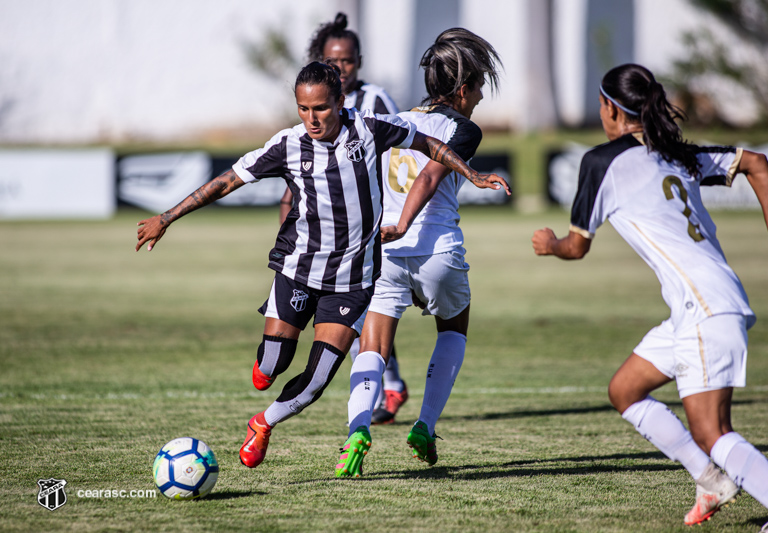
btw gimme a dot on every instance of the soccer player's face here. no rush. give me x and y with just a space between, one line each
342 53
609 122
319 111
471 98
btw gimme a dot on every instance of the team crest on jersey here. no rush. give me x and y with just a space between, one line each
355 151
51 495
344 311
306 166
299 300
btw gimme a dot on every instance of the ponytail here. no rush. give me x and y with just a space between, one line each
634 87
331 30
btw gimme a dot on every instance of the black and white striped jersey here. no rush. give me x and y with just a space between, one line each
656 207
369 97
330 239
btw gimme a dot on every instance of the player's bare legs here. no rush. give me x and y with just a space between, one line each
708 414
633 381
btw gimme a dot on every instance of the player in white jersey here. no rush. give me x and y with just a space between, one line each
646 181
328 253
334 43
428 260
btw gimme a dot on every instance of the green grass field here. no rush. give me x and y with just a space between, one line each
107 354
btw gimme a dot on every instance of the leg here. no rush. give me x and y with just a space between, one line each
444 366
275 352
629 393
367 369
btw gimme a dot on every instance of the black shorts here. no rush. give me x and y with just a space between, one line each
295 303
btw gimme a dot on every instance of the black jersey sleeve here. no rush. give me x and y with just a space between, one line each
267 162
594 167
711 161
389 131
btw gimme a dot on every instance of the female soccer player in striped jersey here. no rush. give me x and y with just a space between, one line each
328 253
428 260
334 43
646 182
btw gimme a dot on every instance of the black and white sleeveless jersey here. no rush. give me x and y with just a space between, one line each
436 229
369 97
330 239
656 207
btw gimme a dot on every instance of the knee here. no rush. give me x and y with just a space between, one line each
618 396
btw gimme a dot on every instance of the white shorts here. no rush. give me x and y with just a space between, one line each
440 281
708 356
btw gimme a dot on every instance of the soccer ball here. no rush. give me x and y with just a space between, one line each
185 469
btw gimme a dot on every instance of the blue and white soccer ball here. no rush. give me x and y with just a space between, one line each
185 469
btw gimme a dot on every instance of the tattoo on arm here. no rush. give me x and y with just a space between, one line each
442 153
208 193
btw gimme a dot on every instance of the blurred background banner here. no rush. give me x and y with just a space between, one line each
155 182
199 81
563 180
48 184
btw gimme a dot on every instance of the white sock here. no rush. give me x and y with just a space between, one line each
364 386
354 349
744 463
661 427
392 379
443 368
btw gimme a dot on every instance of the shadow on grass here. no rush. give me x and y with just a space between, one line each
564 411
234 494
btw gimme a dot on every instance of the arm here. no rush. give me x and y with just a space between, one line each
574 246
152 229
441 153
421 191
286 202
755 168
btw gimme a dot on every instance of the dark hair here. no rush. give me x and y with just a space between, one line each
458 56
318 73
331 30
635 88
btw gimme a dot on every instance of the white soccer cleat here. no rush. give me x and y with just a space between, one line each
713 491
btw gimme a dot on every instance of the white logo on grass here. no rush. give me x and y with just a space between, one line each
51 495
299 300
344 311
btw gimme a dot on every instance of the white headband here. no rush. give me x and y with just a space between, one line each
613 100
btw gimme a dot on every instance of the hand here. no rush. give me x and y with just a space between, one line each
392 233
491 181
542 241
150 231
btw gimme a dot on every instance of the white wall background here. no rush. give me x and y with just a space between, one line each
103 71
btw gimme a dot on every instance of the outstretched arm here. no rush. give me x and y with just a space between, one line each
755 168
421 191
574 246
152 229
441 153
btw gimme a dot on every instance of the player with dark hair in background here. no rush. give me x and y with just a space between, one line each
328 252
425 263
334 43
646 181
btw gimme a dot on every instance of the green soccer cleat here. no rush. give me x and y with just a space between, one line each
352 454
422 443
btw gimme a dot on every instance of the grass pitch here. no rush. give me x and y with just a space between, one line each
107 354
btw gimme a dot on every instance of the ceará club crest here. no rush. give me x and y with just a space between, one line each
355 151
